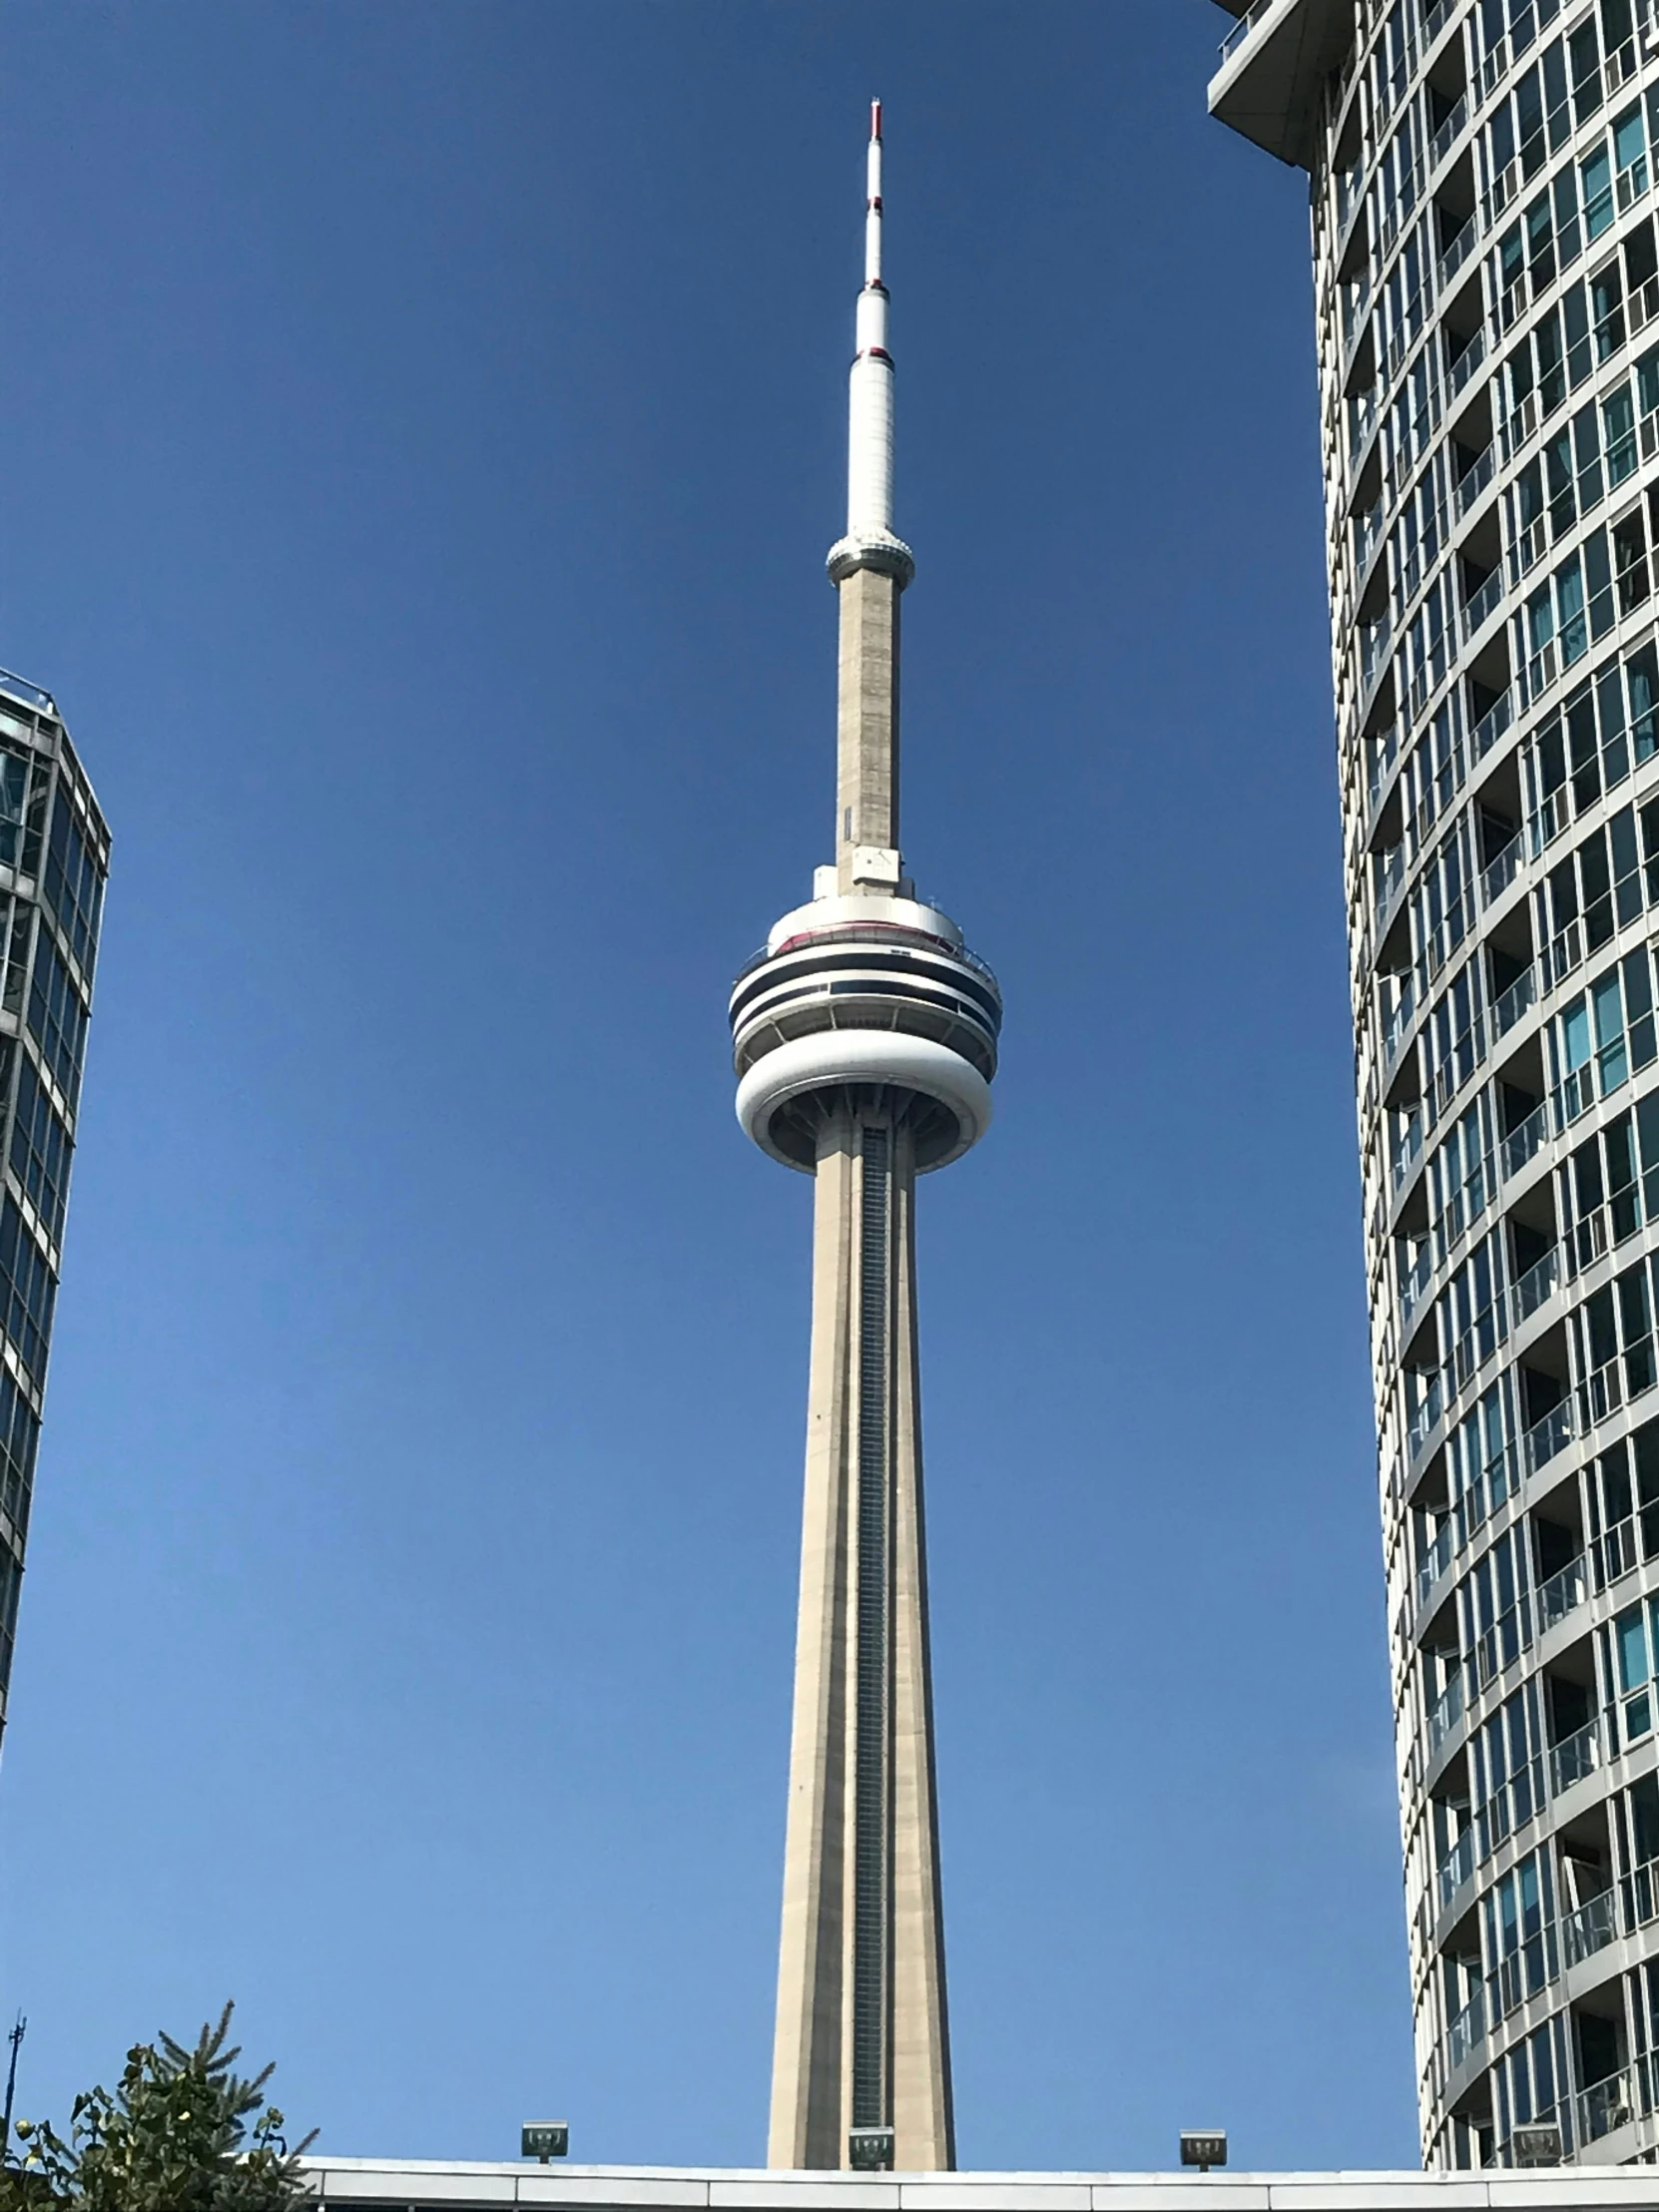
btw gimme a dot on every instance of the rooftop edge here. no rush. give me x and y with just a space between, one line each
460 2182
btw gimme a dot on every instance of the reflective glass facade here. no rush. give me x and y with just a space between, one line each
54 859
1487 258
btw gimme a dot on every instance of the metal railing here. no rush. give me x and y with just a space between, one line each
1474 480
1485 602
1603 1562
1500 873
1575 1758
27 694
1538 1284
1389 878
1467 2032
1434 1562
1510 1005
1243 28
1448 1710
1456 1868
897 933
1460 247
1593 2112
1546 1437
1590 1929
1464 366
1439 146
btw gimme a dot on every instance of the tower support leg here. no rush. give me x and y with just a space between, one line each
862 2038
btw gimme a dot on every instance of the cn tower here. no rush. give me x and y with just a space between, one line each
864 1037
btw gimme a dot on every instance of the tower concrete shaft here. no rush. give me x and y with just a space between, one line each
864 1039
867 749
861 2043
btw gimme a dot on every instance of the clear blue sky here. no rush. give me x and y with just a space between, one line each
422 434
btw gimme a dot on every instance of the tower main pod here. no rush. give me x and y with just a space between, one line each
865 1038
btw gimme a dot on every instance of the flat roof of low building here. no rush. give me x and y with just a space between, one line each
467 2187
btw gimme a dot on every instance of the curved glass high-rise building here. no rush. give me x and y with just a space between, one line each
54 857
1486 266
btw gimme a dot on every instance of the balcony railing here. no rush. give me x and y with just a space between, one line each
1576 1757
1474 480
1435 1561
1467 2032
1511 1004
1591 1928
1448 1710
1414 1282
1385 751
28 695
1242 29
1391 876
1440 145
1497 877
1523 1142
1467 239
1456 1868
1535 1285
1566 1591
1464 366
1604 1563
1485 602
1546 1438
1594 2112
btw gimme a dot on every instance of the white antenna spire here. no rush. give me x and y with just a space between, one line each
870 541
869 426
872 214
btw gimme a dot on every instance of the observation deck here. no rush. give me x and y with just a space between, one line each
865 990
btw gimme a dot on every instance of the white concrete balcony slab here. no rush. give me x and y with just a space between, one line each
1273 67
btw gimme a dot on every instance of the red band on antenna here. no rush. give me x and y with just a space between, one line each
876 119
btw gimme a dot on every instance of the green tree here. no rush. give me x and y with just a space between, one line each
184 2132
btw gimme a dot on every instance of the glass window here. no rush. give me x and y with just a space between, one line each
1584 55
1642 675
19 1436
1618 423
1597 176
73 884
1630 1645
23 784
1569 612
1607 1010
1575 316
40 1151
27 1291
57 1018
1630 148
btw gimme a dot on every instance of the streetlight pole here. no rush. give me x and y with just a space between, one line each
15 2039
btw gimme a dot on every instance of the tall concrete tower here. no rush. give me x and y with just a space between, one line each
864 1036
1480 181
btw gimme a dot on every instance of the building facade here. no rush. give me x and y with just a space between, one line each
865 1038
446 2185
54 859
1486 270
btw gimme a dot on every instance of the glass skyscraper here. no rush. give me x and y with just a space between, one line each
1481 183
54 857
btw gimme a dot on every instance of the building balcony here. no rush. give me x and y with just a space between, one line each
1273 68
